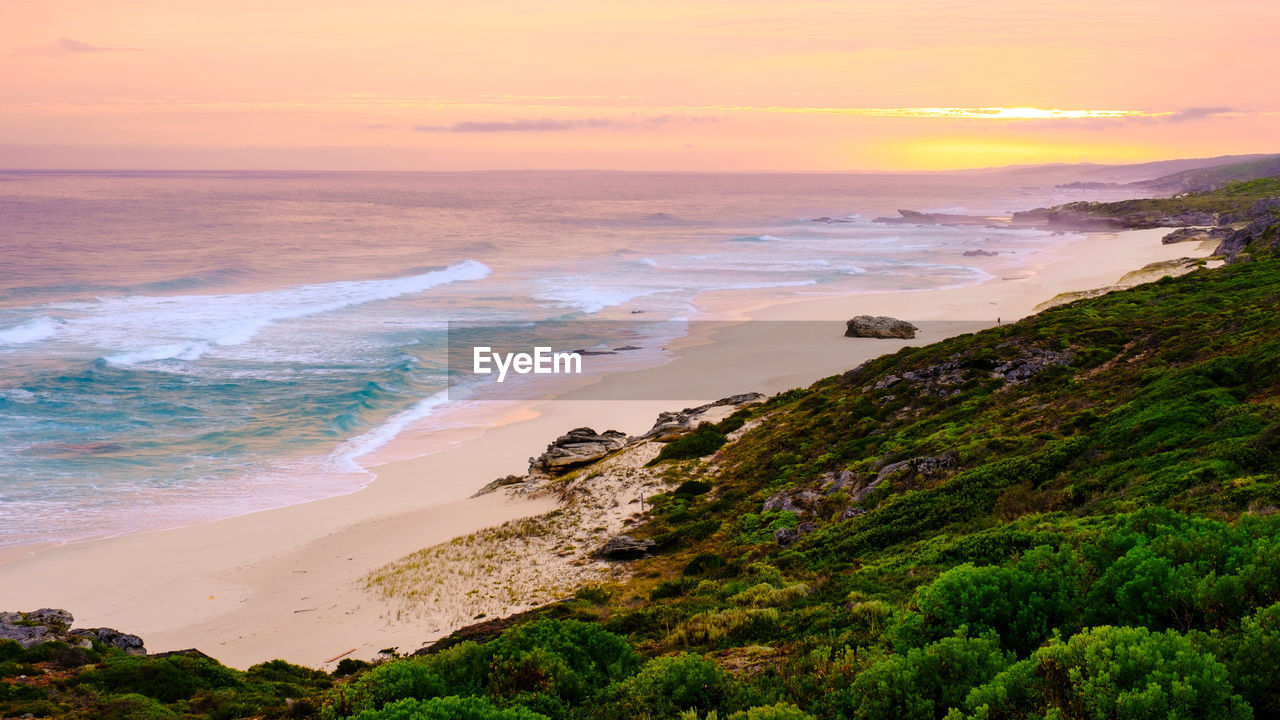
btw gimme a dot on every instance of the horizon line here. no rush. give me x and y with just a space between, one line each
853 171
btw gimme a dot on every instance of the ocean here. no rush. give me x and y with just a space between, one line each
178 347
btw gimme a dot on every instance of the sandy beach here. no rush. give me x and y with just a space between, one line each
289 582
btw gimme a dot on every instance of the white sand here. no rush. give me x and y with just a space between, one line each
289 582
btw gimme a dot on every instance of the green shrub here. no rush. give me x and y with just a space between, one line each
1255 661
672 588
767 595
384 684
13 692
779 711
167 679
1020 608
667 686
132 707
692 488
740 623
448 708
705 565
347 667
60 654
1112 672
546 664
576 656
701 442
292 676
9 668
923 683
10 650
594 594
1140 588
734 421
754 529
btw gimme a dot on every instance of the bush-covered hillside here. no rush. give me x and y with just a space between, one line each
1073 516
1216 176
1234 203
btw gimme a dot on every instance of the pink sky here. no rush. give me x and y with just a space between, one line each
732 85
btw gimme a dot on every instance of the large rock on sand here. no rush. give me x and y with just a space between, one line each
879 326
576 447
625 547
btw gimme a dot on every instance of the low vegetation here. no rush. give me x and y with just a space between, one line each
1073 516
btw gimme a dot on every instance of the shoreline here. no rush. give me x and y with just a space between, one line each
287 582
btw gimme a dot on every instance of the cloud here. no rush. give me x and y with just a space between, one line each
542 125
961 113
1198 113
67 46
557 125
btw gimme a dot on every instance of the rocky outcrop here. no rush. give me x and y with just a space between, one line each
673 425
879 326
575 448
29 629
1261 233
131 644
793 501
1196 234
833 482
979 253
1030 363
582 446
501 482
625 547
1089 216
938 379
914 217
1085 185
1263 208
787 537
850 513
926 465
32 628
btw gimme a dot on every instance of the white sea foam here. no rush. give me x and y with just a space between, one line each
185 327
344 458
28 332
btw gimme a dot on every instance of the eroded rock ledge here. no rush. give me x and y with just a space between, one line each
29 629
583 446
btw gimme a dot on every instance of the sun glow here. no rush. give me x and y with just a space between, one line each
951 153
665 84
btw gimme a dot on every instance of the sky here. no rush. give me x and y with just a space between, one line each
699 85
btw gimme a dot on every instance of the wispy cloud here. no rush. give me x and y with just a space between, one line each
984 113
67 46
541 125
1198 113
556 125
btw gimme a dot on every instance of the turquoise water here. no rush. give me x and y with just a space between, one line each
176 347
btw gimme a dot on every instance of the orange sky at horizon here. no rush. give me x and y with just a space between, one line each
719 85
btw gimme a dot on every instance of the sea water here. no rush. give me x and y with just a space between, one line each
176 347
